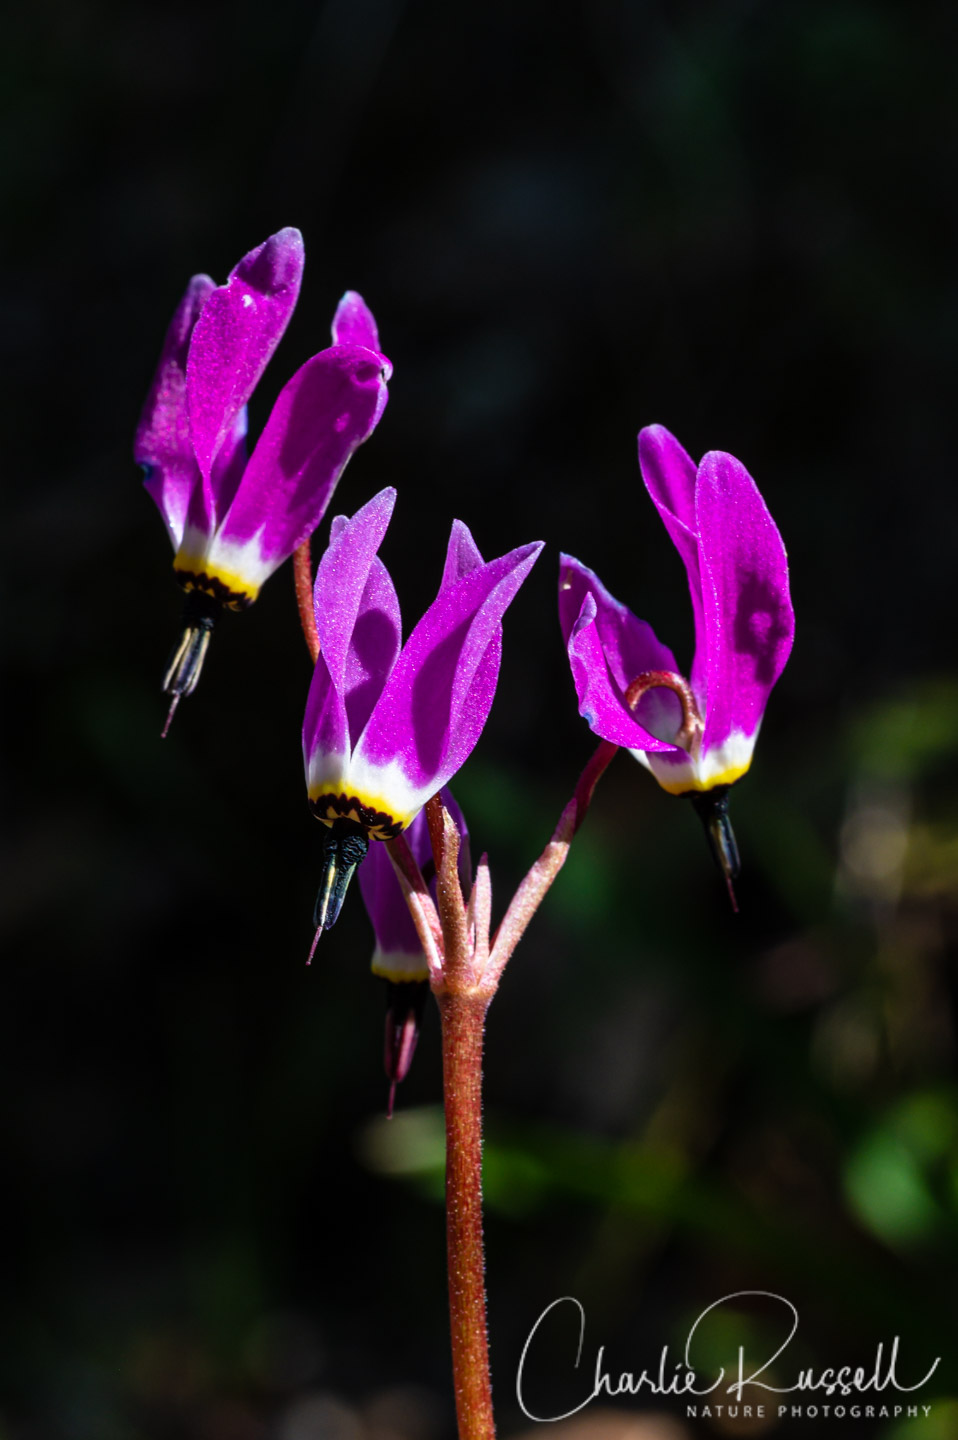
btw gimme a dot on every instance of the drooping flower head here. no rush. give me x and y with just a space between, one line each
388 724
398 956
233 520
696 735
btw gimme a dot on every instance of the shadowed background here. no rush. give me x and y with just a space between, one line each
570 220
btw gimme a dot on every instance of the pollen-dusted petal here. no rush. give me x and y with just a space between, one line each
242 323
329 407
600 701
162 444
342 580
462 555
325 732
608 648
630 644
230 462
359 628
748 613
437 699
475 675
353 323
374 647
669 473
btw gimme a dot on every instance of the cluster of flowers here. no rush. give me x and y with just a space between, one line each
388 723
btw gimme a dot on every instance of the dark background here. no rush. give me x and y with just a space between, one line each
736 219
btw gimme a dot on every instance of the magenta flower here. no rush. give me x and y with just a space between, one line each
387 724
696 735
398 956
234 520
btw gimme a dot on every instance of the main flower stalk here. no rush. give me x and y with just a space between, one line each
464 967
463 1016
464 971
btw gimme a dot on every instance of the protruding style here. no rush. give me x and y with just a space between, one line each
232 520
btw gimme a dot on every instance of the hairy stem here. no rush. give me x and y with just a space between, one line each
463 1019
463 1002
464 977
457 969
603 754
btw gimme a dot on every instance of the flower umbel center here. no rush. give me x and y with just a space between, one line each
689 734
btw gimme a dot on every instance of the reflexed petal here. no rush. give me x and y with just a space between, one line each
330 406
374 647
608 648
241 325
162 445
325 730
353 323
230 462
462 555
670 476
630 644
437 700
342 578
477 671
748 616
